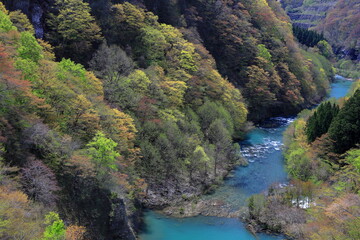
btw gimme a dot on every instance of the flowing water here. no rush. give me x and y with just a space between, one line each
340 87
262 149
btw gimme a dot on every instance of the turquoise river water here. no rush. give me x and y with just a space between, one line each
262 149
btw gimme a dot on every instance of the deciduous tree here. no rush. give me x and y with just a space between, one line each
74 31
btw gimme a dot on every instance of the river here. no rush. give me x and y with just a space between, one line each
262 149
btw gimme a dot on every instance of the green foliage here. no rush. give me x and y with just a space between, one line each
321 70
29 47
55 229
319 123
73 30
102 152
5 23
264 52
171 99
77 70
139 81
29 69
345 128
210 112
238 32
352 228
353 157
307 37
348 68
325 49
46 114
256 204
200 155
297 160
297 163
258 87
153 45
21 22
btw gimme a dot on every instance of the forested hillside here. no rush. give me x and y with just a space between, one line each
322 158
342 27
308 13
114 107
337 21
256 52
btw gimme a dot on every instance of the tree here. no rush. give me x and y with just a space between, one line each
210 112
5 23
291 90
325 49
55 229
319 123
220 137
345 128
19 217
111 62
307 37
39 182
74 31
125 23
353 157
102 152
84 120
264 52
153 45
21 21
75 232
29 47
12 86
199 160
48 145
121 128
258 87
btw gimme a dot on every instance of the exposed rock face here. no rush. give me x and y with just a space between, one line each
34 9
104 215
119 222
203 207
175 191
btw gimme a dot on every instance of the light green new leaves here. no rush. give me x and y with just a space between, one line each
55 229
102 152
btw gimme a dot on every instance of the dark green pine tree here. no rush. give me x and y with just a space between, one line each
319 123
307 37
345 128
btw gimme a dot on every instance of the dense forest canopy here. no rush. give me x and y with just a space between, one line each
322 156
109 106
336 20
341 26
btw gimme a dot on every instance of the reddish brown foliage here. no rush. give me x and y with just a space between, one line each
75 232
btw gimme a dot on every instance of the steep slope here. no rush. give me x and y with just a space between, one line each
237 48
337 21
154 120
158 130
49 112
254 51
321 150
308 14
342 27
